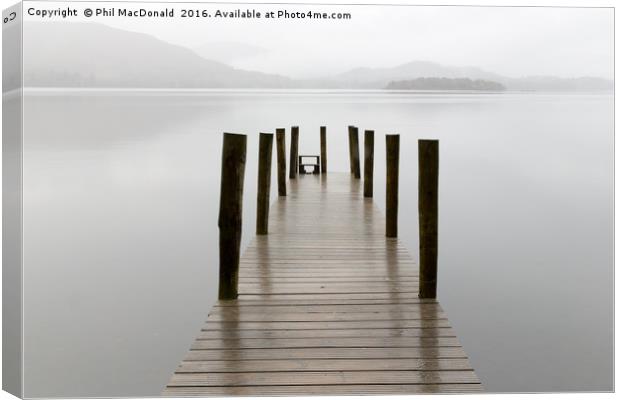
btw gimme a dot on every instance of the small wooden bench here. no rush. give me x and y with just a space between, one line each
315 165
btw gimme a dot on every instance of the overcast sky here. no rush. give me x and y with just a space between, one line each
566 42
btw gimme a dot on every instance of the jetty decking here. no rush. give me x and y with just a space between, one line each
328 305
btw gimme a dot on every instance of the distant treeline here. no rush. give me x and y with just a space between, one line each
445 84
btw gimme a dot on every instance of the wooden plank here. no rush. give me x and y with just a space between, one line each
327 308
325 317
333 258
323 378
316 390
329 267
312 261
367 342
292 325
301 287
387 364
327 253
278 301
320 278
325 333
283 288
352 296
380 284
326 289
327 353
327 305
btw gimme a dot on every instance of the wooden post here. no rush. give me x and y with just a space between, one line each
428 188
294 152
281 149
369 157
351 127
392 146
323 149
264 183
231 204
354 151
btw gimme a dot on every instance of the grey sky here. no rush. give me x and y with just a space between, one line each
566 42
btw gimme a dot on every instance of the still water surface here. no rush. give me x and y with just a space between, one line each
120 225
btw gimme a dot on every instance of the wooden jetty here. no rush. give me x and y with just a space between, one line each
327 305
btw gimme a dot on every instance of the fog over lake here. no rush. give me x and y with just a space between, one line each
121 193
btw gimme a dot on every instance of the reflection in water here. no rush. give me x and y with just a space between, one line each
264 260
232 332
120 226
393 264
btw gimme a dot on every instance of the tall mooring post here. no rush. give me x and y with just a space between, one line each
350 128
323 149
428 188
265 146
354 151
392 147
369 156
294 152
281 160
231 205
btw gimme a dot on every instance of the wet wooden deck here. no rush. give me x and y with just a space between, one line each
328 306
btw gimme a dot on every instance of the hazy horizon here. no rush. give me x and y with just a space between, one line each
510 41
62 55
515 42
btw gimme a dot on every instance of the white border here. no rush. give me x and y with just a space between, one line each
540 3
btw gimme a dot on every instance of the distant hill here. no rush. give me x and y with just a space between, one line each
94 55
228 52
445 84
377 78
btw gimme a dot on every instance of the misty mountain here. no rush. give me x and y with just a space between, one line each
377 78
380 77
229 52
95 55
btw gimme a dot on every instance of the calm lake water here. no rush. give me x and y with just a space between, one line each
121 193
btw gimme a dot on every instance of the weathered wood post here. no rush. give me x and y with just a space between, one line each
354 151
294 152
265 146
231 206
392 147
369 160
281 150
428 188
323 149
351 127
